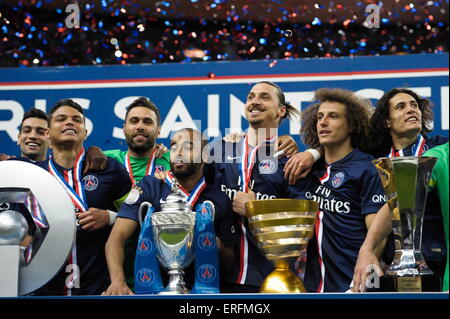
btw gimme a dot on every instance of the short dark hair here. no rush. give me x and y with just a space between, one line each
379 130
144 102
290 110
357 111
65 102
33 113
192 132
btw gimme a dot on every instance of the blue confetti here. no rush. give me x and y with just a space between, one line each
316 21
228 36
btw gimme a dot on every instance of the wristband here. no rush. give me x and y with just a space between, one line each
112 217
315 153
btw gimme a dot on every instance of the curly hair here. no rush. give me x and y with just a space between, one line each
380 132
357 111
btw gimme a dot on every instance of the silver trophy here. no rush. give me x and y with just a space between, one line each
173 233
13 227
405 181
31 196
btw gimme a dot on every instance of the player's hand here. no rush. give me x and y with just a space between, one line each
366 262
234 137
160 150
298 166
161 175
118 288
4 157
93 219
287 145
95 160
239 201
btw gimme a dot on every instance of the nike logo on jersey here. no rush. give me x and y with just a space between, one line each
230 158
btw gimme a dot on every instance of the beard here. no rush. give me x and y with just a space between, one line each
185 173
141 148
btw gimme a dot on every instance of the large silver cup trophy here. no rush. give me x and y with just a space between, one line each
173 233
405 182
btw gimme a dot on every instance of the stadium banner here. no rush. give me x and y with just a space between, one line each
209 96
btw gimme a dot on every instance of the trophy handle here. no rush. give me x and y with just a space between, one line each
213 208
141 208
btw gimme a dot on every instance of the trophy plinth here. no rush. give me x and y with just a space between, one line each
405 182
173 232
282 228
394 283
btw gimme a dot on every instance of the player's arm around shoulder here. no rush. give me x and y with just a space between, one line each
121 182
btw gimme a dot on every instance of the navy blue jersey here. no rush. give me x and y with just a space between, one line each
347 191
101 188
153 190
433 240
267 182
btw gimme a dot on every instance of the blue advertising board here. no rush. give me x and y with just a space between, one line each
209 96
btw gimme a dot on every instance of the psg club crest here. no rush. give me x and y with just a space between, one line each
206 241
90 182
145 277
206 273
206 213
266 167
337 180
144 246
159 168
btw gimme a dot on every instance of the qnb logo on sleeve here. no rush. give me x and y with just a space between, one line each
379 198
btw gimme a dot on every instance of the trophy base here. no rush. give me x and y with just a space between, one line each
174 292
282 280
425 283
176 284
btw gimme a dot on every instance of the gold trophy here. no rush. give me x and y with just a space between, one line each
282 228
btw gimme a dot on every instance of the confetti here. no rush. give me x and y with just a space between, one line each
34 33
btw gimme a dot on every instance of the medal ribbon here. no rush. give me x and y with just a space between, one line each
36 212
418 148
193 196
245 171
78 197
76 193
148 171
248 161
